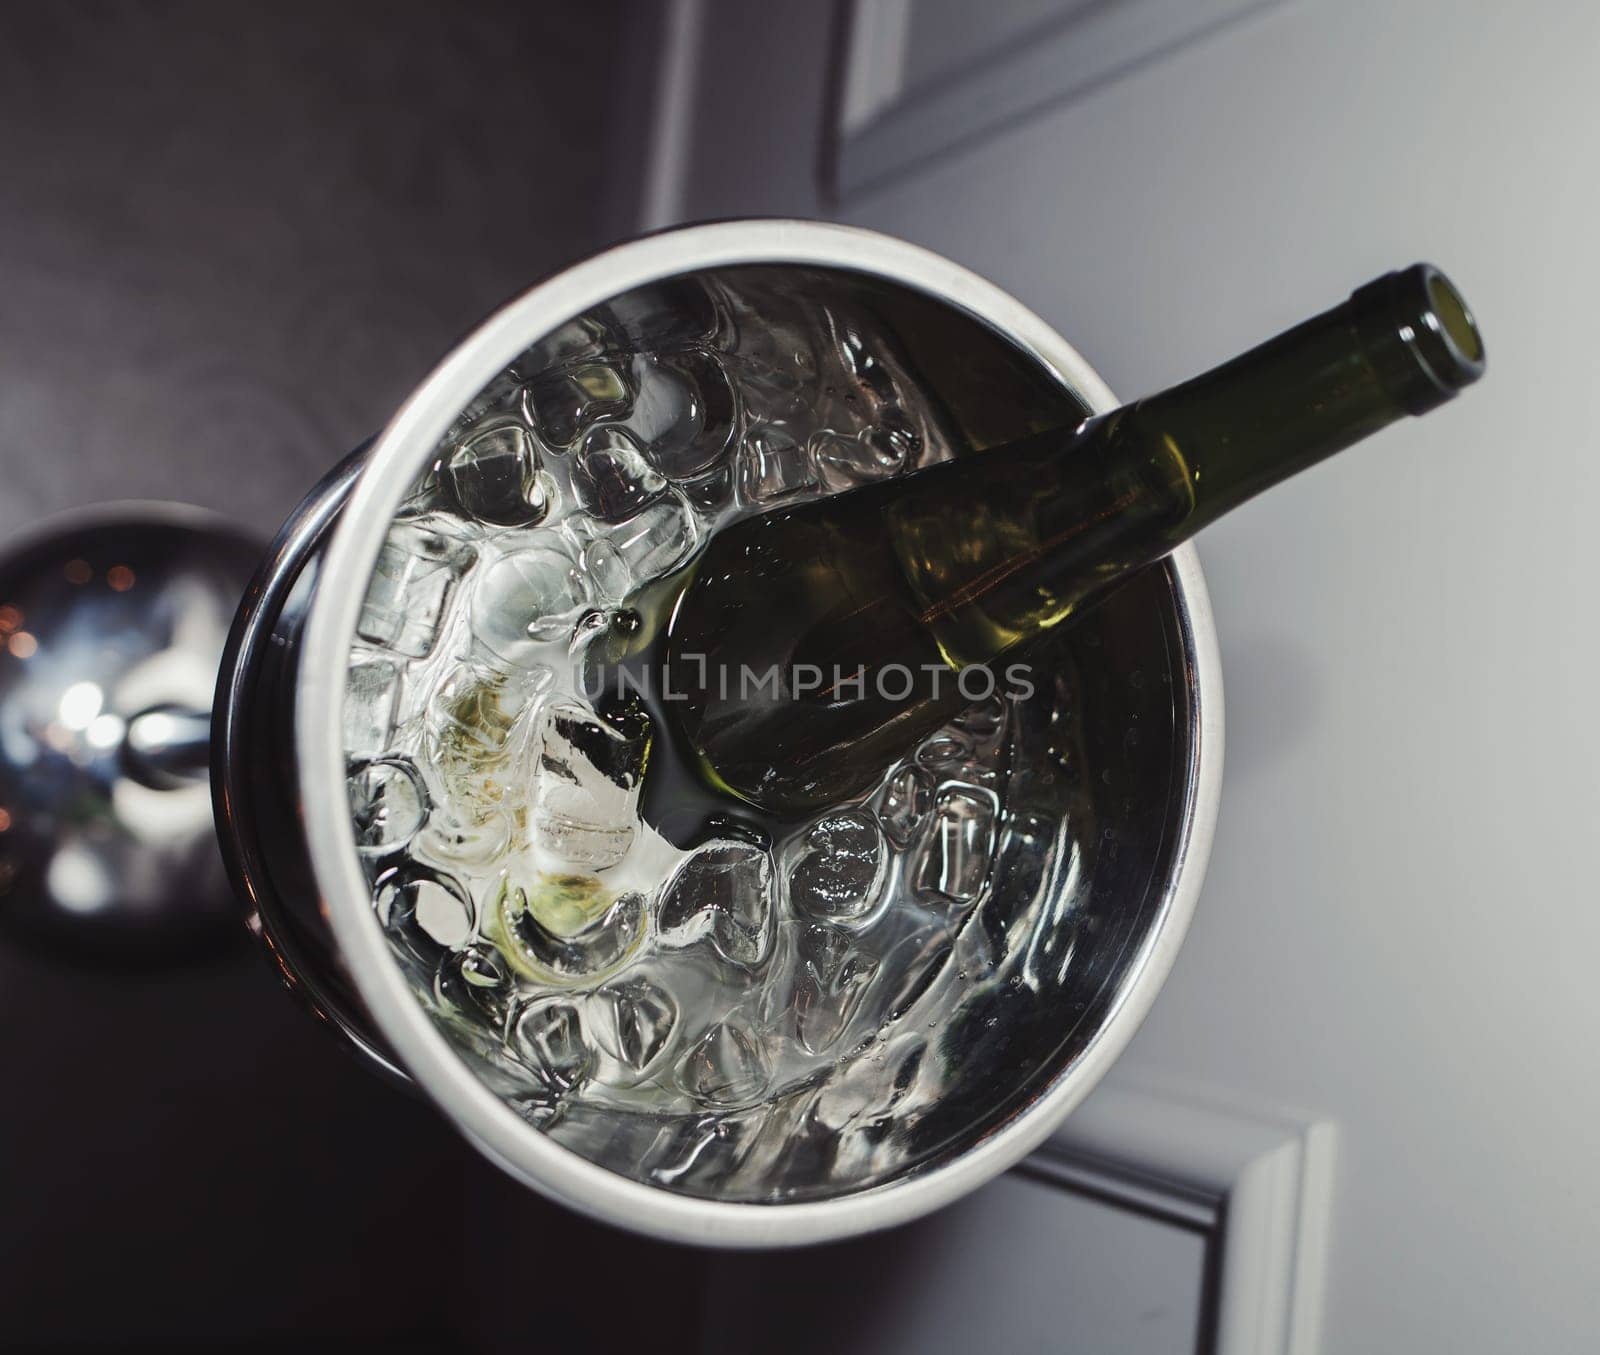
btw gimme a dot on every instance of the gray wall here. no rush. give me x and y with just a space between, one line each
1398 926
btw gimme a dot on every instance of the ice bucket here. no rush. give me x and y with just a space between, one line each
1115 828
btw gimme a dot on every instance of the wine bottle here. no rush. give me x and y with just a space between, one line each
815 644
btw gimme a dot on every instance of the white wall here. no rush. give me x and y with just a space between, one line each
1400 926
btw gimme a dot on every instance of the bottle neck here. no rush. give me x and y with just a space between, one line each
1401 345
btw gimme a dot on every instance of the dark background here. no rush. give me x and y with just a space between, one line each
231 240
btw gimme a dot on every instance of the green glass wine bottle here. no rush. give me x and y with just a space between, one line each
815 644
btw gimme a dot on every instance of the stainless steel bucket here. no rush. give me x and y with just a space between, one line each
1151 714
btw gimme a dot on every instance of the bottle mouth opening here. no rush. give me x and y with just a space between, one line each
1449 315
1420 336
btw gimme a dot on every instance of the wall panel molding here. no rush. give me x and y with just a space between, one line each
909 96
1259 1185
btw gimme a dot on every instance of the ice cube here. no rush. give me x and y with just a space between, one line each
479 711
424 911
773 466
633 1021
472 830
781 391
910 970
958 844
862 1097
984 721
712 491
501 1068
774 344
648 546
587 789
387 804
603 635
1026 857
583 339
477 726
500 398
842 872
945 748
547 1035
893 441
610 476
595 846
564 403
858 352
670 313
371 694
903 803
971 747
726 1066
845 460
722 892
566 927
832 973
407 599
527 600
684 412
493 476
475 981
698 1154
840 460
